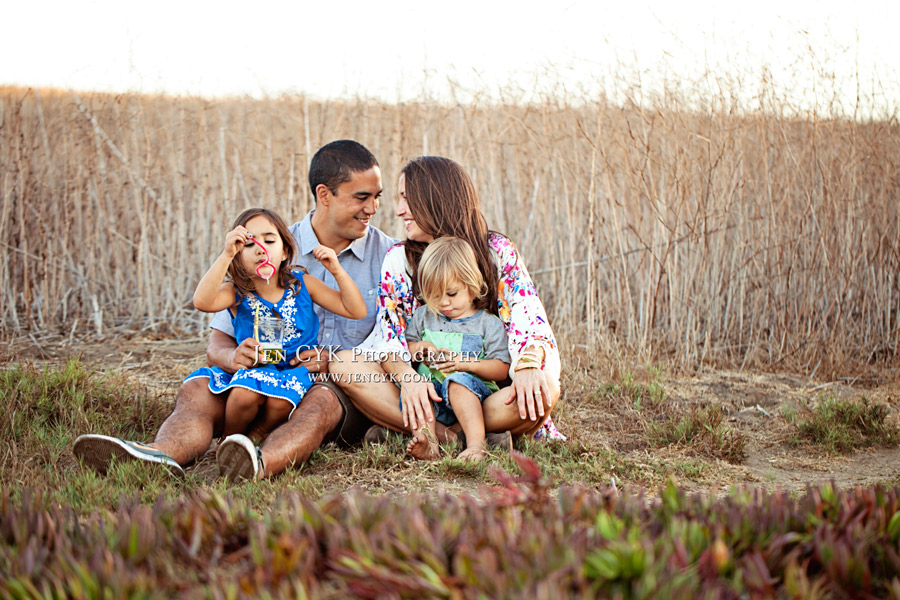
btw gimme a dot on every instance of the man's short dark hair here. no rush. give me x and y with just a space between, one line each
335 163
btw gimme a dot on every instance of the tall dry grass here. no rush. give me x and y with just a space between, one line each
703 233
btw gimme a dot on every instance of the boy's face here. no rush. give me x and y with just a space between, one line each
456 302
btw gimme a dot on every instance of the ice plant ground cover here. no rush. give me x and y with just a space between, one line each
691 516
517 540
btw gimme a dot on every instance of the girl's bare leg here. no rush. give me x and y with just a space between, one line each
274 412
240 410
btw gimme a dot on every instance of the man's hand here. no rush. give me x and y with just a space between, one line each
315 360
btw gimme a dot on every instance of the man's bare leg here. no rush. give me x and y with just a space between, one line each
199 415
318 414
182 438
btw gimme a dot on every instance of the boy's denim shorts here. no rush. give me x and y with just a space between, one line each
443 412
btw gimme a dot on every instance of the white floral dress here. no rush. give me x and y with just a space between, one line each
519 308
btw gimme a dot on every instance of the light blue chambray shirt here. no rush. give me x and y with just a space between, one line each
361 259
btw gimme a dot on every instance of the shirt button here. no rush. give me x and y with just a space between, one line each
327 335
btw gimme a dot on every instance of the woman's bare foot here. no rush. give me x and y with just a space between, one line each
424 445
472 454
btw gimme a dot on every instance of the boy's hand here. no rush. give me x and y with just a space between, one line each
422 352
328 258
235 240
450 362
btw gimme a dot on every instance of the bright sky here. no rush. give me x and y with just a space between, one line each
405 50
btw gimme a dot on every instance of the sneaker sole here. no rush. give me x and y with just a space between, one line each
234 462
98 451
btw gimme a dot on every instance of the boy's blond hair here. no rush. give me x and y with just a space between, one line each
445 260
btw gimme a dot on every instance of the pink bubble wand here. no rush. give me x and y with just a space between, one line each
267 263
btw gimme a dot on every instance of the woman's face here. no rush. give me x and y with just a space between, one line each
413 231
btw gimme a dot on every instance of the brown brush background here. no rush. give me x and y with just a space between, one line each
765 238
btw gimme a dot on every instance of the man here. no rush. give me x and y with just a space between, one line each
346 181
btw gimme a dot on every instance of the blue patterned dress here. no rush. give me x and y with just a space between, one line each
301 330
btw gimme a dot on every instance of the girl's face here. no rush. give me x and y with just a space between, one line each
264 234
456 302
413 231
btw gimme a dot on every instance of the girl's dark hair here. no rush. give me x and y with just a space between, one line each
443 201
243 280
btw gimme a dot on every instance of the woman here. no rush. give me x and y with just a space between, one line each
436 199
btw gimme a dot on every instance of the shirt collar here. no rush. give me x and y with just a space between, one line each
308 239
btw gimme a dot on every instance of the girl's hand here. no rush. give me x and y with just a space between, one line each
235 240
244 356
416 396
328 258
530 391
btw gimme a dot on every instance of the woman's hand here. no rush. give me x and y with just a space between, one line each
529 389
328 258
235 240
416 395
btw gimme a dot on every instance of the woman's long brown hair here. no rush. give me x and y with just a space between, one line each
443 201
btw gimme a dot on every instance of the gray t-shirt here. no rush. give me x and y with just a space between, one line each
480 336
361 259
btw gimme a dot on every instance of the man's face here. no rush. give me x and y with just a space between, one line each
353 204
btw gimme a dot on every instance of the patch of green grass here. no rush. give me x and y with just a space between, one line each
704 431
639 396
841 426
45 410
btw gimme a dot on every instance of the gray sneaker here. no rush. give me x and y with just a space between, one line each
98 451
239 459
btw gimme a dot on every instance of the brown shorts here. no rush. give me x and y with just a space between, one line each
353 425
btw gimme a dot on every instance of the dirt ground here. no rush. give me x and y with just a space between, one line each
756 406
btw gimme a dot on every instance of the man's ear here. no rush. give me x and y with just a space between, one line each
323 194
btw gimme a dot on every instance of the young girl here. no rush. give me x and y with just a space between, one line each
257 257
466 348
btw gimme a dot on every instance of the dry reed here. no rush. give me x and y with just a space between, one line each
751 238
